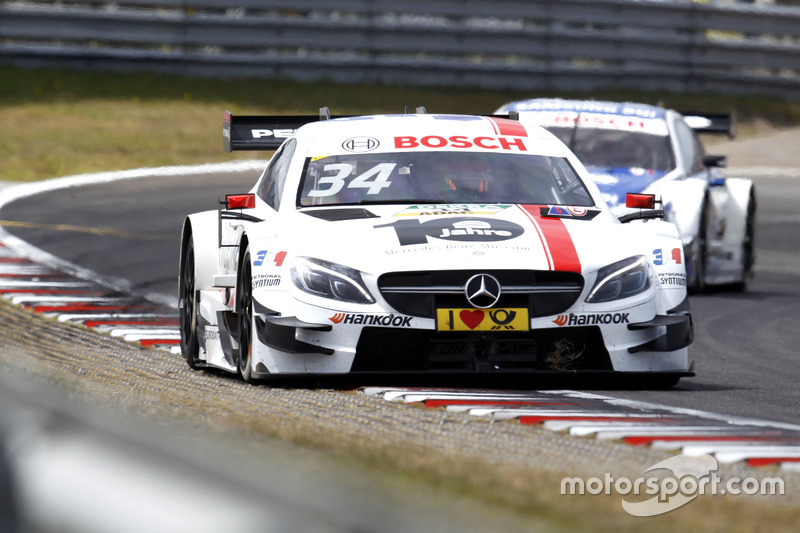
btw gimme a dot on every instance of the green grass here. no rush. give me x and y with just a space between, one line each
57 123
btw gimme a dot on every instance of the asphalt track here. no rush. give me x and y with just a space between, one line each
745 349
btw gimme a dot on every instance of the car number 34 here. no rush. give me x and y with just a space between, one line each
336 182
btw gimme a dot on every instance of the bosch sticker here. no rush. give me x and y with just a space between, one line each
361 144
462 141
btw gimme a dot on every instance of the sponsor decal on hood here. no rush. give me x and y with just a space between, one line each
412 231
451 209
548 234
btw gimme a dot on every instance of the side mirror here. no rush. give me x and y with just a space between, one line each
641 201
231 202
645 202
715 161
715 179
240 201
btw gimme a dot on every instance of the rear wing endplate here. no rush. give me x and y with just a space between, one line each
252 132
714 123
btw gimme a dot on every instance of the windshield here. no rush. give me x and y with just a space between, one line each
615 148
441 177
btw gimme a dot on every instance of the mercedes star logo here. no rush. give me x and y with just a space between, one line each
482 291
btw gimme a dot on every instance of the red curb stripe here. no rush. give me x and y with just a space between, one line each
32 276
532 419
52 291
64 308
640 440
443 403
164 322
766 461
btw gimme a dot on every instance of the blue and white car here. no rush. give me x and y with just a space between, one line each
631 147
428 243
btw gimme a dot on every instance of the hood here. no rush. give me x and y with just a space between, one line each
377 239
615 182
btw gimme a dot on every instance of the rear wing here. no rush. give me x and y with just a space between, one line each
714 123
251 132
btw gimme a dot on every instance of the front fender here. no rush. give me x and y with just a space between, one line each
736 208
203 229
682 202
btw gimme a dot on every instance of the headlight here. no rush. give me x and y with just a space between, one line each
329 280
620 280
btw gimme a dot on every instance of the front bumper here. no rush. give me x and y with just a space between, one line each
569 349
331 341
290 346
679 333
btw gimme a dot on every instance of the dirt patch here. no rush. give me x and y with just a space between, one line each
466 458
758 144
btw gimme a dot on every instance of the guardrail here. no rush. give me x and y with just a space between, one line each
522 44
69 467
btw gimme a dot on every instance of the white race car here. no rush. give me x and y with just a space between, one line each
427 243
629 147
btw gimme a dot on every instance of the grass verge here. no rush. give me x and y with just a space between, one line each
57 123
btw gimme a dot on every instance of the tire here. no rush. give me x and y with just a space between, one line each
697 277
190 344
748 244
244 303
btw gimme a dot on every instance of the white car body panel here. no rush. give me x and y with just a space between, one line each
682 191
408 238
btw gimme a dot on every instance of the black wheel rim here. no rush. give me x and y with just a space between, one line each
246 318
749 239
188 307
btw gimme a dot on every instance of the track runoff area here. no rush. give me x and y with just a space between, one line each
67 293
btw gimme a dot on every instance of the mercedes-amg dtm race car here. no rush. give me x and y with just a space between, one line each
629 147
427 243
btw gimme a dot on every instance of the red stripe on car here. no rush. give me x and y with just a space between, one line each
556 240
504 126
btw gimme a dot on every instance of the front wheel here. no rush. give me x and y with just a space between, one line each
244 304
748 244
190 344
698 252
